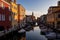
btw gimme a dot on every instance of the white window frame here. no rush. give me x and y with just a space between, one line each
3 17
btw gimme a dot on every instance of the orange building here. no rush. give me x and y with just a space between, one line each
21 12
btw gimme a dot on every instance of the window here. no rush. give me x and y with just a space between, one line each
15 7
0 17
1 28
9 7
3 17
58 15
10 18
2 4
58 24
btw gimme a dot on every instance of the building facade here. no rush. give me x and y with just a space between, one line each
14 9
21 12
53 16
10 14
5 16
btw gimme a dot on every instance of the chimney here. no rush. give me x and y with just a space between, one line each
14 1
58 3
10 1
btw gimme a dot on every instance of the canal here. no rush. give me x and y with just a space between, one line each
33 34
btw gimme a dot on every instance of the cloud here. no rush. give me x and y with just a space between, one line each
28 12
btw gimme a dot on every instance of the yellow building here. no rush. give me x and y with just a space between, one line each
14 9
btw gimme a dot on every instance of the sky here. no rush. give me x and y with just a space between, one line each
39 7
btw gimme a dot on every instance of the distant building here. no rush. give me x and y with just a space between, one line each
30 19
53 16
41 19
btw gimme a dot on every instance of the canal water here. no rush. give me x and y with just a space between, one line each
33 34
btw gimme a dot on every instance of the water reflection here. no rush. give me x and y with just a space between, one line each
22 36
33 34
